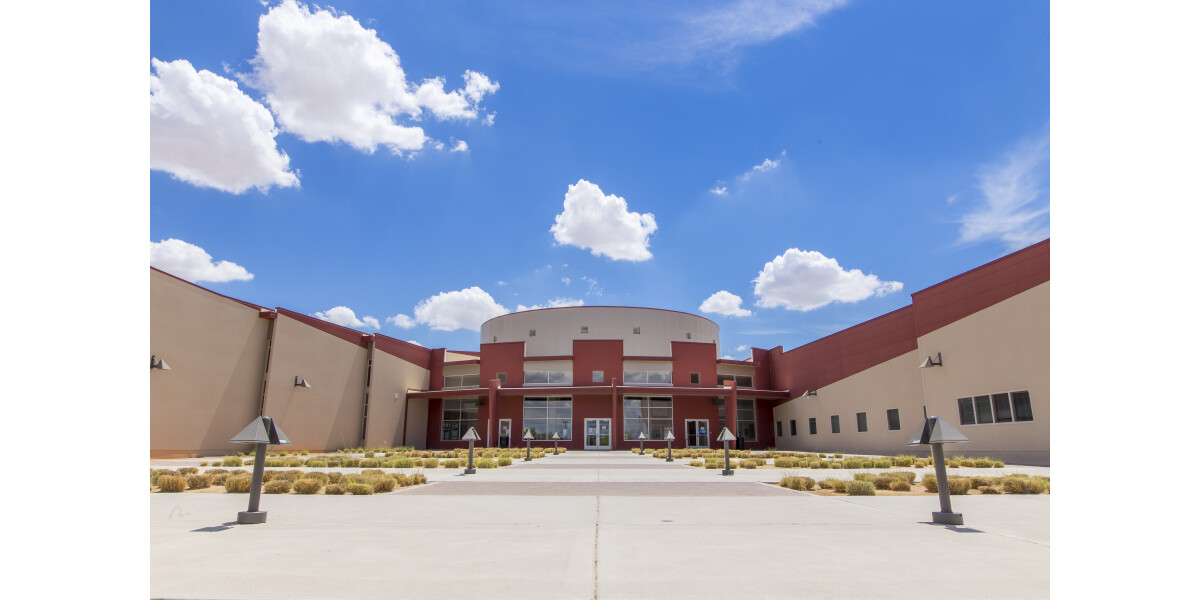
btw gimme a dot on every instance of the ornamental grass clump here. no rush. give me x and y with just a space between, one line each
231 461
430 463
198 482
989 489
237 484
905 460
828 483
958 485
156 473
746 464
307 486
906 475
793 482
486 463
882 463
504 461
882 482
864 477
369 462
929 481
171 483
188 470
860 488
416 479
404 463
853 463
217 476
277 486
334 489
900 485
360 489
383 484
451 464
316 463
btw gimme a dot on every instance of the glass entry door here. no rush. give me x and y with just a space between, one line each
505 432
696 433
597 434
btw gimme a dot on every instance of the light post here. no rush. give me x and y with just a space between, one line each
726 437
670 438
528 437
260 432
935 432
556 438
471 436
642 444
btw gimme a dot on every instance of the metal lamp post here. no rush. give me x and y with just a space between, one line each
471 436
935 432
726 437
670 437
556 438
642 443
260 432
528 437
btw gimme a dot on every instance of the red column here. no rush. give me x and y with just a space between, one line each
731 409
493 398
616 416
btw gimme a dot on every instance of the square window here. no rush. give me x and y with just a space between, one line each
696 378
597 376
835 424
778 428
1022 407
532 332
812 426
1003 408
966 411
583 329
893 417
793 422
637 331
983 409
862 422
503 377
688 335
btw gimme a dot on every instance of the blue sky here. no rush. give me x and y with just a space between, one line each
820 161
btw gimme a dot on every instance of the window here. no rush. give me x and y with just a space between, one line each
547 378
793 423
460 381
532 332
745 420
1022 406
1003 408
812 426
745 381
648 377
597 376
458 415
546 417
983 409
835 424
647 414
778 428
688 335
637 331
583 329
893 417
966 411
503 377
696 378
862 422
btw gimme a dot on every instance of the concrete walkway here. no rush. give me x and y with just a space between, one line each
599 525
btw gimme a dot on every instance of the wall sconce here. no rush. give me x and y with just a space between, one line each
809 394
932 362
158 363
302 383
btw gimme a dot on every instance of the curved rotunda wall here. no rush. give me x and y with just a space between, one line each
557 328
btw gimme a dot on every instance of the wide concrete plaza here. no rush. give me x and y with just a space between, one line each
600 525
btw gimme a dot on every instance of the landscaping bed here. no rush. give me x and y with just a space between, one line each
904 483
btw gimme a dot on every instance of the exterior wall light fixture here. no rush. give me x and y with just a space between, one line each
158 363
809 394
932 362
302 383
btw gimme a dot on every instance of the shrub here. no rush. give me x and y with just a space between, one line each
958 485
864 477
334 477
696 463
369 462
998 464
288 476
277 486
304 453
486 463
416 479
980 482
334 489
1013 485
307 486
839 485
294 462
368 454
360 489
188 471
793 482
430 463
930 482
967 463
900 485
829 483
815 464
451 464
371 472
837 455
204 464
503 461
882 482
156 473
906 475
318 477
747 464
383 484
237 484
837 464
274 462
953 464
989 489
198 482
231 461
713 464
316 463
860 488
785 463
217 476
883 463
853 463
404 463
905 460
171 483
350 462
985 463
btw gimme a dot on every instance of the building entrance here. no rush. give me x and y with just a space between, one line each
597 434
505 432
696 433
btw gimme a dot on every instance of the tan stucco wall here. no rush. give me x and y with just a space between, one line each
216 349
452 356
418 423
558 327
391 377
1003 348
893 384
328 415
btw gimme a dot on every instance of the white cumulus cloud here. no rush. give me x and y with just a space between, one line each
207 132
342 315
402 321
724 303
742 348
806 280
720 190
555 303
464 309
192 263
327 78
461 146
603 224
1016 206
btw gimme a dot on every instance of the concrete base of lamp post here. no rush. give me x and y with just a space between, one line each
246 517
948 518
468 471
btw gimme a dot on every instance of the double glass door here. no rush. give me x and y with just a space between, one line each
597 434
696 433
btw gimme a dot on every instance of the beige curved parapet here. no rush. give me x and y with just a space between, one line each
556 328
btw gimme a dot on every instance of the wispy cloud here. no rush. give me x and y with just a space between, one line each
727 27
1015 204
766 166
